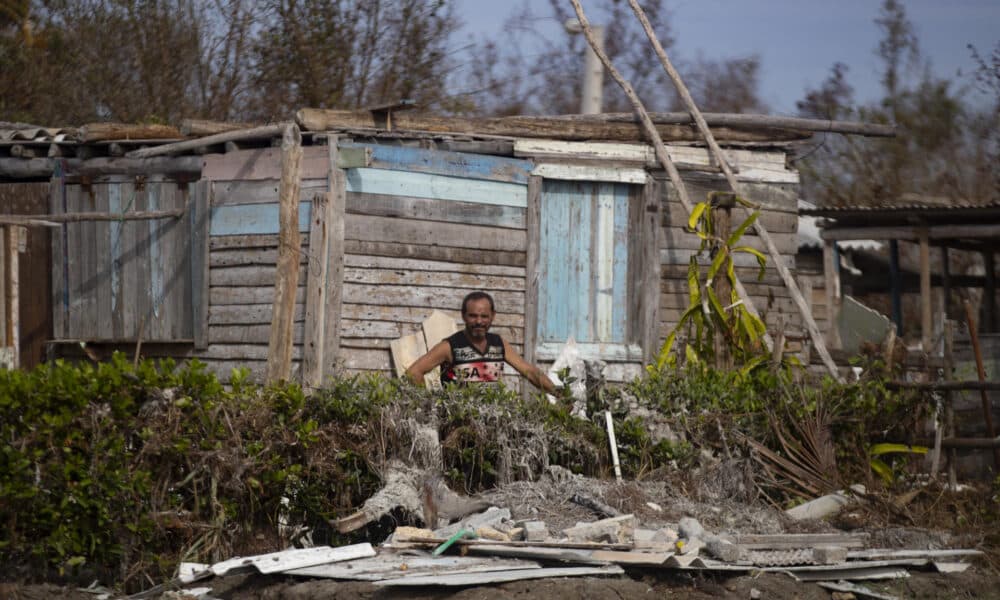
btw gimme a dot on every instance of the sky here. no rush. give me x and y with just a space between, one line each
798 41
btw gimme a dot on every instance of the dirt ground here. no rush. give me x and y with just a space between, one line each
974 583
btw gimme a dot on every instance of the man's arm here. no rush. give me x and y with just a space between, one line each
440 353
527 370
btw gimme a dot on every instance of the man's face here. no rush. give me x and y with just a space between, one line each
478 317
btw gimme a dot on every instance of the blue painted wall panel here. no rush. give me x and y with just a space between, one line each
618 314
244 219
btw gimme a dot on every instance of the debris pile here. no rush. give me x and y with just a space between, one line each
493 546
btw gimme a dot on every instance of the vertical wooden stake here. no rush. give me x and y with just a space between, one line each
925 291
14 234
949 407
721 217
314 338
335 258
279 352
831 277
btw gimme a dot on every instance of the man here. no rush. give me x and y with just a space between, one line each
474 354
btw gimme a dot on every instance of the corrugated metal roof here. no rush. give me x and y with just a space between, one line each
808 232
35 134
906 202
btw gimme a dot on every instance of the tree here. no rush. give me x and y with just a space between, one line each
531 73
351 53
934 153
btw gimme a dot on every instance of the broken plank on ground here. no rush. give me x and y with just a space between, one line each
276 562
538 553
502 576
392 566
797 540
857 573
858 590
889 554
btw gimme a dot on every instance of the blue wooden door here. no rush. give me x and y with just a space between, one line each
583 262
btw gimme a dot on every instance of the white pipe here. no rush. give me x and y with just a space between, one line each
614 444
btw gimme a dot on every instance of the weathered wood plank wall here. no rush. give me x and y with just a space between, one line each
417 238
115 281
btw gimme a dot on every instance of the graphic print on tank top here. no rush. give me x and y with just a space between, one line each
469 364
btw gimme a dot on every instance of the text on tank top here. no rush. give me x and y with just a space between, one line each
469 364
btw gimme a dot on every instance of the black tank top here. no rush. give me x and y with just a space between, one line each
468 364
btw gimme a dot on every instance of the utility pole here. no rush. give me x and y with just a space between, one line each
592 97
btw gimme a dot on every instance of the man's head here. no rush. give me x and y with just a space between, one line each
477 313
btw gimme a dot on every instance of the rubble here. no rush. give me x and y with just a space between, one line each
488 548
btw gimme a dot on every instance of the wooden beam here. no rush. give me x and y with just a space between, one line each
925 292
35 168
279 356
336 246
53 220
318 119
200 259
745 121
203 127
314 343
944 386
93 132
257 133
934 232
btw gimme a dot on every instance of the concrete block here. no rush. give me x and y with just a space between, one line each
618 530
535 531
829 555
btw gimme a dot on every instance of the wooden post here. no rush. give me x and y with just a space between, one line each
990 290
532 222
949 397
317 267
984 395
945 282
721 215
716 151
925 291
279 351
4 320
895 287
335 258
831 282
14 247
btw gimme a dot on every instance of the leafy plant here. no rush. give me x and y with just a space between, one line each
709 317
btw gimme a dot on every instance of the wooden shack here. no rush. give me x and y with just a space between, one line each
575 234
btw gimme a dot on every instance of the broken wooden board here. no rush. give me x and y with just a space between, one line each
502 576
652 559
436 327
276 562
570 555
797 540
890 554
392 566
406 350
853 574
859 591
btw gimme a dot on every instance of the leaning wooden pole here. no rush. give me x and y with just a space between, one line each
658 147
279 350
758 225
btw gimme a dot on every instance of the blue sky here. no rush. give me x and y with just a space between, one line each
797 40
